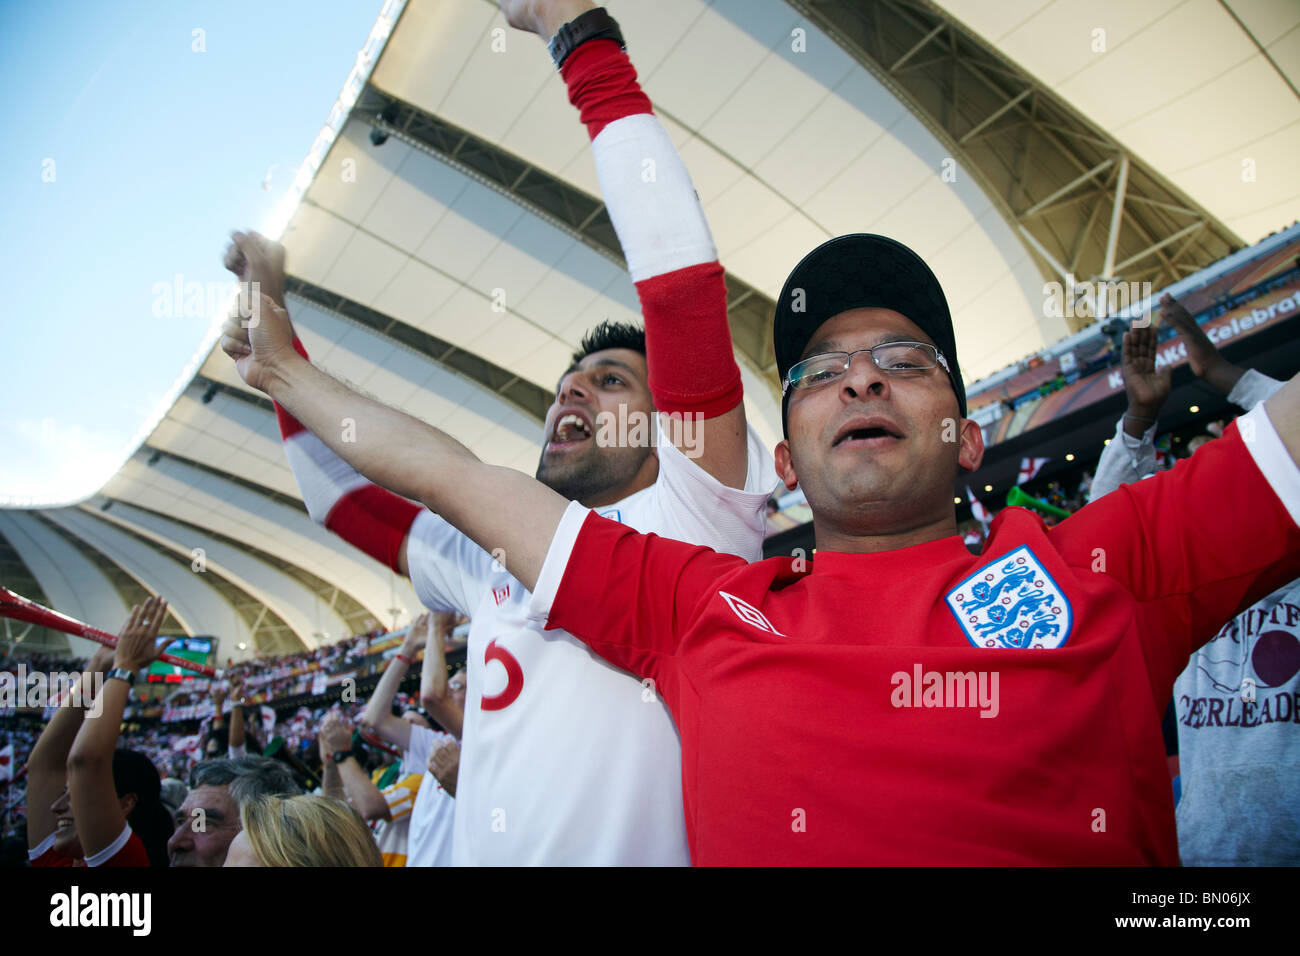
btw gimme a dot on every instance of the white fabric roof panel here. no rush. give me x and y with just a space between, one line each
227 434
555 289
786 149
1180 83
73 584
197 606
297 606
497 431
476 254
209 501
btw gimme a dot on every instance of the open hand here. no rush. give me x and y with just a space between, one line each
1147 389
136 644
1201 353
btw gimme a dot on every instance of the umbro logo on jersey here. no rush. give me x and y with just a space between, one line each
500 594
749 614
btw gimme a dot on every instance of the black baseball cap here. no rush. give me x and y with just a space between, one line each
861 271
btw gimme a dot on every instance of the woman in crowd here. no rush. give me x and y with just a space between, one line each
88 799
302 831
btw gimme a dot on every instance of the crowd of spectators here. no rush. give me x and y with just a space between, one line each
178 727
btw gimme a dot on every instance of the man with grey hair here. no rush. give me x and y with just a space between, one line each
209 818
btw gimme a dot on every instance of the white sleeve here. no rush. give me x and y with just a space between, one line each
415 758
1125 460
658 218
697 508
1253 388
557 559
234 752
448 571
323 477
1272 458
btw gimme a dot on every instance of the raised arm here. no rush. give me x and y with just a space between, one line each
1191 555
434 694
358 789
100 813
235 745
368 517
1206 361
1245 388
47 765
501 510
378 716
1131 454
667 244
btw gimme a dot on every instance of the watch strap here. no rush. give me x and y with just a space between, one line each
121 673
593 25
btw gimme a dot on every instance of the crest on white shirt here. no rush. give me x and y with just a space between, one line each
749 614
1012 603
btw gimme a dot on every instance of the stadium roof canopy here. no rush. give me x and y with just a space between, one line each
450 246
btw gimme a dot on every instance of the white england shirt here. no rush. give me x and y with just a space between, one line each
429 839
566 760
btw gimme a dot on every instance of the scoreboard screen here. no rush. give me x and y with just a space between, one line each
197 649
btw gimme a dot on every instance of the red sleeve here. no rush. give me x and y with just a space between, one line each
1193 545
374 520
289 425
602 85
665 237
630 596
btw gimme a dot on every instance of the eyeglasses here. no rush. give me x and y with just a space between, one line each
896 357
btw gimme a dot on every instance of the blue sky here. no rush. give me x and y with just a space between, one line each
129 156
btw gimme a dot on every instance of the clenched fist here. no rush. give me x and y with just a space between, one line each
335 733
444 764
543 17
259 339
255 259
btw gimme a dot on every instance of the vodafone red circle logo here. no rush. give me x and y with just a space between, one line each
514 677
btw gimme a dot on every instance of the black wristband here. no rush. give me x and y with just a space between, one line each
593 25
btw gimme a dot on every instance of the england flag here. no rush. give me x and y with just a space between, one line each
1030 467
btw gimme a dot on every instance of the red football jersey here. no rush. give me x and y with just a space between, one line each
894 708
127 850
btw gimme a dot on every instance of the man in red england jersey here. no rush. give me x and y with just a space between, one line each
937 706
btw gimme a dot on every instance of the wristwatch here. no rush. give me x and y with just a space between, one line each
593 25
121 673
339 756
